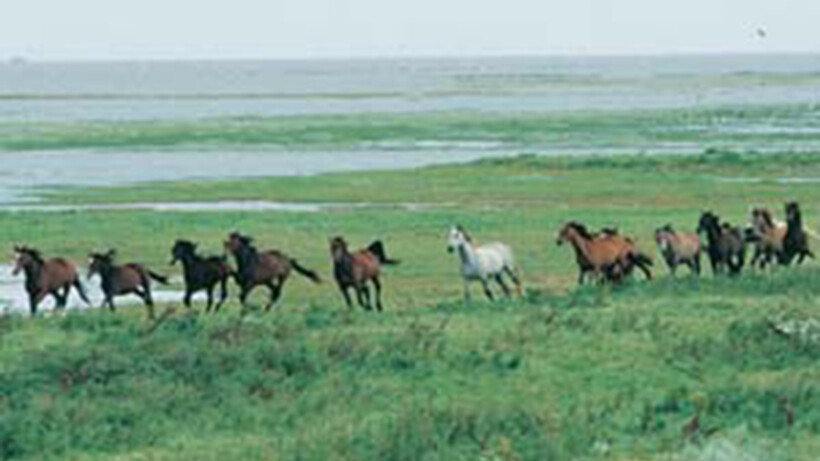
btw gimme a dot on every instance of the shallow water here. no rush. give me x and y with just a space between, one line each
169 90
24 174
216 207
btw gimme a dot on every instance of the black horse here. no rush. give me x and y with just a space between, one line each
796 242
201 273
725 244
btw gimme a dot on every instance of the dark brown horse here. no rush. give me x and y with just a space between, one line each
53 276
358 268
119 280
270 268
726 246
796 242
201 273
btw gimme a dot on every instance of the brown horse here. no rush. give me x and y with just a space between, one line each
768 236
679 248
608 255
357 268
270 268
119 280
53 276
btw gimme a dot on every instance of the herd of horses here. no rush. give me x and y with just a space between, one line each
605 256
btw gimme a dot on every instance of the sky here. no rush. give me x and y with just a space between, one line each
247 29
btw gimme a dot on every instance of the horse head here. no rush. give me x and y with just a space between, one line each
182 249
338 247
458 238
99 262
571 231
25 257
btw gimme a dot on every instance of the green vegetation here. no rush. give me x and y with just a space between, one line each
750 127
592 373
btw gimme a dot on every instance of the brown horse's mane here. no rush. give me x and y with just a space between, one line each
580 228
32 252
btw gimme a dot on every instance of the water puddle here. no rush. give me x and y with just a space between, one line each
754 179
221 206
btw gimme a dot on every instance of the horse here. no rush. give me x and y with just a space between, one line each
608 255
270 268
124 279
726 246
53 276
796 242
201 273
678 248
484 262
357 268
767 234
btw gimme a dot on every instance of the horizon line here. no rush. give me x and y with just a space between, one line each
27 59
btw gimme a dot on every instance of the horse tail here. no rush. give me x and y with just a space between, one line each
643 262
78 285
159 278
377 248
305 271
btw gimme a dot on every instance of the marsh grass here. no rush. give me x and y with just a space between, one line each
566 373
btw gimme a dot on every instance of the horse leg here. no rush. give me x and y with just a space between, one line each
500 282
210 293
513 275
487 291
696 264
346 295
377 286
467 297
145 294
275 293
366 296
272 298
186 300
360 297
223 293
78 286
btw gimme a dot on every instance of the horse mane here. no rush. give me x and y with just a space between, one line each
32 252
766 215
463 231
580 228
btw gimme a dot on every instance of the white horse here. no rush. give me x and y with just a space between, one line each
483 263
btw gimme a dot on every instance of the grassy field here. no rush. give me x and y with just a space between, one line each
747 127
591 373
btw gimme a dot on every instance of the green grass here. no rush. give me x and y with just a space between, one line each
750 127
568 373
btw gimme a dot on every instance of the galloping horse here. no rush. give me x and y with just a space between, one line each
725 244
201 273
357 268
484 262
679 248
608 254
796 242
119 280
270 268
767 235
53 276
